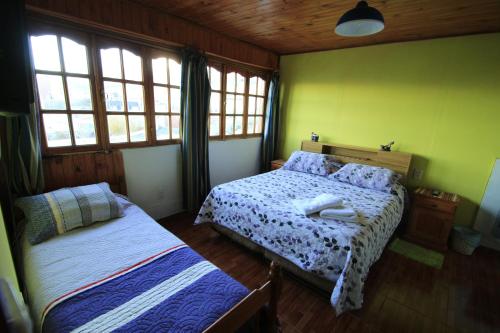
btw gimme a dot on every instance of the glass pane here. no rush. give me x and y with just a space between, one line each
258 124
161 99
75 56
231 82
261 87
239 104
51 92
137 128
240 83
238 125
250 125
252 89
214 126
79 93
251 105
260 105
113 92
215 102
135 97
84 128
45 52
57 130
175 72
162 132
132 65
160 70
229 104
175 95
215 78
176 121
111 63
229 125
117 129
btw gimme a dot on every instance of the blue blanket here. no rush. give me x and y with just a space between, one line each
179 291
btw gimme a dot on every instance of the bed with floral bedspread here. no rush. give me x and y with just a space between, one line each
260 209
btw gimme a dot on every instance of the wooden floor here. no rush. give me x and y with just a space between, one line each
400 295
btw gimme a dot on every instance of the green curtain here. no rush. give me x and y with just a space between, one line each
195 101
269 147
23 153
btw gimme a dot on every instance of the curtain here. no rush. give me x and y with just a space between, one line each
23 153
195 99
271 125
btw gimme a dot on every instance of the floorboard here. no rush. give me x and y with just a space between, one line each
401 295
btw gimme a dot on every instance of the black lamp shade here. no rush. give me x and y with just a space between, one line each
362 20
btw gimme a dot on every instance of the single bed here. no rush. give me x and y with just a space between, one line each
337 254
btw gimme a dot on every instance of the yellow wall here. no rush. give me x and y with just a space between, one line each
7 270
438 99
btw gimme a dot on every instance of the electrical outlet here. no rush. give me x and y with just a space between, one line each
417 174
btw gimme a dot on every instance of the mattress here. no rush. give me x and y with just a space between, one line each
126 274
260 209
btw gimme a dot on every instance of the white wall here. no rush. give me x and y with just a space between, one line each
154 175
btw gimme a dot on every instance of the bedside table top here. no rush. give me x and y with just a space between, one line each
281 162
445 196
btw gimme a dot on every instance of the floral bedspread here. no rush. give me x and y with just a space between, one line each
260 209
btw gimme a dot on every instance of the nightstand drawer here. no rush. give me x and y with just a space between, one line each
432 203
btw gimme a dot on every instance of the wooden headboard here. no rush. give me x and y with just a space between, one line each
85 168
394 160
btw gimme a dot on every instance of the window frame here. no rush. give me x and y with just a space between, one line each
220 67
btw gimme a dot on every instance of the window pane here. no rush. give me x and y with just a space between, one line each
252 89
239 104
176 120
84 128
250 125
258 124
161 99
260 105
160 70
79 93
57 130
229 125
135 97
111 63
231 82
51 92
214 126
162 131
238 125
215 78
117 129
132 65
137 128
215 102
45 52
240 83
175 95
175 72
229 104
75 57
251 105
261 87
113 92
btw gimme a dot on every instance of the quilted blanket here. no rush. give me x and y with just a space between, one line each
260 209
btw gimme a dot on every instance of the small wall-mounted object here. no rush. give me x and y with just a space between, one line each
314 137
387 147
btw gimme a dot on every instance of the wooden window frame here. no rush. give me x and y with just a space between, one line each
220 68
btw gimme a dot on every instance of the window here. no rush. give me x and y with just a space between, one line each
214 121
256 102
64 88
167 96
234 103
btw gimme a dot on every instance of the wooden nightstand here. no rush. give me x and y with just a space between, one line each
431 218
276 164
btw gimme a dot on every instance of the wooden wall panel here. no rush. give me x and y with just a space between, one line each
141 21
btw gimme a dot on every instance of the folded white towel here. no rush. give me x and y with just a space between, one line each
322 201
346 214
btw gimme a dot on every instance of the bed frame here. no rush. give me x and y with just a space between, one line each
88 168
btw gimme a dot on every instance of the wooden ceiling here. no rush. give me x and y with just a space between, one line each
295 26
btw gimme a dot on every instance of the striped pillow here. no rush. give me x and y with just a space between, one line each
60 211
